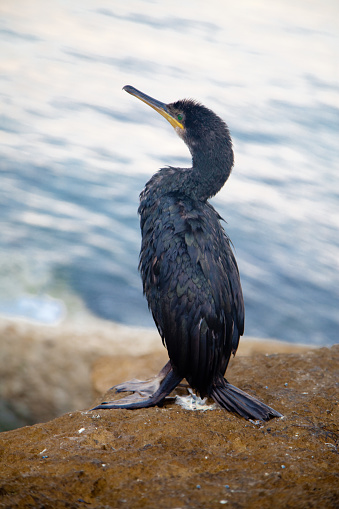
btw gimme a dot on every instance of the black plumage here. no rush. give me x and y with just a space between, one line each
189 272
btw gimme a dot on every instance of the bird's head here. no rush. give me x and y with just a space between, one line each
207 137
197 125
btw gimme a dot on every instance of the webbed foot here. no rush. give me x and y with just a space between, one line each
145 394
144 387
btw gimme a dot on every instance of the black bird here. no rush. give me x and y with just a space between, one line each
189 272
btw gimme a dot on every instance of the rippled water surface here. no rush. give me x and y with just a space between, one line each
76 151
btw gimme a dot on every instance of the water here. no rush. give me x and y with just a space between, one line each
76 151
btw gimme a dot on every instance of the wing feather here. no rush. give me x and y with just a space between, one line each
191 281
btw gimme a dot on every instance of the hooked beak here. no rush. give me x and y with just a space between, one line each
156 105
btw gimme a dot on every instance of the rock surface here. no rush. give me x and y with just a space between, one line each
46 371
174 458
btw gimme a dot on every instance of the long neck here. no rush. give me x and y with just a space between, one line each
212 164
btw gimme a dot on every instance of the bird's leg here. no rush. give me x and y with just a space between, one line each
145 394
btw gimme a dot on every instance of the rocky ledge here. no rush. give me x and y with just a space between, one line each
169 457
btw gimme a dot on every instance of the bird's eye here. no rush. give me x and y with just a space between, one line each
179 117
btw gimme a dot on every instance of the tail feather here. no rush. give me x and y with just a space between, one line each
235 400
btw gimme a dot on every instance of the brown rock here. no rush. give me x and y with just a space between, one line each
173 458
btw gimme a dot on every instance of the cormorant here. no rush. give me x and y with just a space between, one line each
189 272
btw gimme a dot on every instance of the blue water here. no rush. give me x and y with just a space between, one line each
76 151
